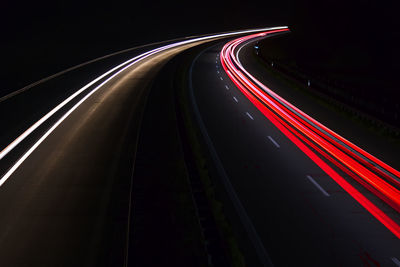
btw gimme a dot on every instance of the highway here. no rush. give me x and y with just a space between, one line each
57 186
303 213
306 195
55 207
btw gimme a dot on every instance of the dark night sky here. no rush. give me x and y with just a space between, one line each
48 36
135 21
41 38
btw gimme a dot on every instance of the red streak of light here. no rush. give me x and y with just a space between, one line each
371 181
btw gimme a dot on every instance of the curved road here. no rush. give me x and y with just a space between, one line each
58 179
58 176
302 216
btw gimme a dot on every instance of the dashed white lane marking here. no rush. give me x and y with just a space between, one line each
227 87
218 71
221 78
318 186
274 142
234 98
396 261
251 117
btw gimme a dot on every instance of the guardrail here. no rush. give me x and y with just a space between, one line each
380 111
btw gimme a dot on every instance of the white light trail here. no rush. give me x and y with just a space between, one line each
121 68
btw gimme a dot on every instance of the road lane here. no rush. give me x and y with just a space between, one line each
54 209
319 143
298 224
79 96
58 205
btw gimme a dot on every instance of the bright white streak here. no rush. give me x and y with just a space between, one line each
19 139
22 159
5 151
136 59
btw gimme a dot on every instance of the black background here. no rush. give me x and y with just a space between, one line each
41 38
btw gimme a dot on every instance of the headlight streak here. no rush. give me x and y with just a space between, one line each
307 134
118 69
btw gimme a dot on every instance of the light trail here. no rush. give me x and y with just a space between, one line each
107 76
316 140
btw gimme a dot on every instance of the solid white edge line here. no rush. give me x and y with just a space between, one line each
237 204
136 59
317 185
273 141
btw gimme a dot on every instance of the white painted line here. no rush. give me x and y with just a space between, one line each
251 117
274 142
227 87
396 261
221 78
234 98
318 186
218 71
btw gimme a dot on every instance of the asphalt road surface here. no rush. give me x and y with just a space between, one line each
55 208
66 204
65 182
301 215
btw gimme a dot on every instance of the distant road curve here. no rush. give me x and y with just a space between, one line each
104 78
55 75
322 145
55 197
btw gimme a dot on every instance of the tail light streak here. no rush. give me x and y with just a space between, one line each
312 137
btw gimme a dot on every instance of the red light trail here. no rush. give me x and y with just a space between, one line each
316 140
